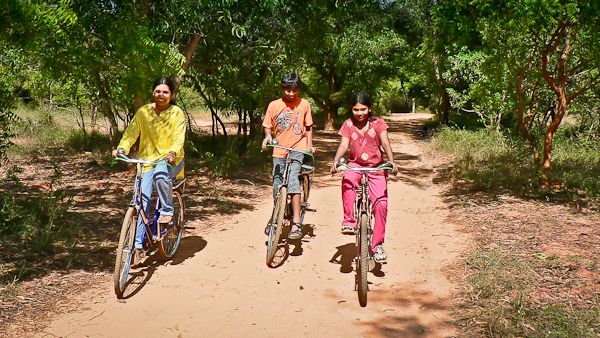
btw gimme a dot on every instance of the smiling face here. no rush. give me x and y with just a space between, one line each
360 112
162 95
290 93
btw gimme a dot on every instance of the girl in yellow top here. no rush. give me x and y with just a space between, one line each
161 128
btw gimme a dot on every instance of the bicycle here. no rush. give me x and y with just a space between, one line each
362 212
281 216
167 238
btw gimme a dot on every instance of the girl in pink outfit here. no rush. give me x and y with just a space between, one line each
366 136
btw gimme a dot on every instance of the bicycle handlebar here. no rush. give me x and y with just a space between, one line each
124 158
291 149
383 166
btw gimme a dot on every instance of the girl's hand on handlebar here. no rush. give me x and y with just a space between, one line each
117 152
333 168
311 149
394 168
171 157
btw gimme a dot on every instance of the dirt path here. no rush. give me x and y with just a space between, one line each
219 286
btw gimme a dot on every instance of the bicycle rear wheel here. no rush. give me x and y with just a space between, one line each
276 227
171 236
124 252
362 267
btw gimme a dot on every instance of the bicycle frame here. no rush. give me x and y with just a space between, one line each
288 162
151 225
362 202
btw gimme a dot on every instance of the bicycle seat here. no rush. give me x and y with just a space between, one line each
307 169
179 184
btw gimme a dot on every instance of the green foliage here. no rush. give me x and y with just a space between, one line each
34 219
577 164
492 161
94 142
41 131
227 156
488 160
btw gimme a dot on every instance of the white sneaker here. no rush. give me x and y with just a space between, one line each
379 254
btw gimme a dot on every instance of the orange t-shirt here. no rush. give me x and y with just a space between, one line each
288 122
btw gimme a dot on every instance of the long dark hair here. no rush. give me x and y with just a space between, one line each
170 83
362 98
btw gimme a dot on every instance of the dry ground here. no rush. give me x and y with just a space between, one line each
221 286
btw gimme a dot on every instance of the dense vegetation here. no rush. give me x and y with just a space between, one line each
515 85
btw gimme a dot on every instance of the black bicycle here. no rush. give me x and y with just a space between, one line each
364 233
281 216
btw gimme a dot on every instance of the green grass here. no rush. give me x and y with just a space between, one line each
501 304
490 161
577 164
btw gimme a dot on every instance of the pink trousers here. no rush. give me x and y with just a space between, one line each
379 201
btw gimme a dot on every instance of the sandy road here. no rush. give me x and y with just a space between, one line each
219 285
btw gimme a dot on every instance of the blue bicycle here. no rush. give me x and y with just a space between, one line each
166 237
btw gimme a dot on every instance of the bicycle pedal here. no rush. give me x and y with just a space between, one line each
304 204
311 210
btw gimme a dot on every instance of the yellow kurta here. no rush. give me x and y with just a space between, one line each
158 134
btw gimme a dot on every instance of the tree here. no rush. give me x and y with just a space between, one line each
570 60
344 47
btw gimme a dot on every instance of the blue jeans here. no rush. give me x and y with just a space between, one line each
160 176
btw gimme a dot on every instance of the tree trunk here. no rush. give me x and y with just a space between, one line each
558 84
107 108
253 123
93 118
444 105
188 52
328 107
525 115
561 109
239 124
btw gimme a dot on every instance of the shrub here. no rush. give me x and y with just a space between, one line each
94 142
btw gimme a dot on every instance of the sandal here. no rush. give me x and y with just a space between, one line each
165 219
379 255
348 230
295 234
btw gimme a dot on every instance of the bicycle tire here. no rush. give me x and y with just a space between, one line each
124 252
363 260
168 244
276 229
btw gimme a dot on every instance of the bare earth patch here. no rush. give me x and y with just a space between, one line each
555 251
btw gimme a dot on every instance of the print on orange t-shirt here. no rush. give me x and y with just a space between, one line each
288 122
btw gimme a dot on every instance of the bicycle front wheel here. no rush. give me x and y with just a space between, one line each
172 234
276 226
124 252
362 268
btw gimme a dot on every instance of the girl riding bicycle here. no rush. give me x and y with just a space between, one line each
365 136
160 127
